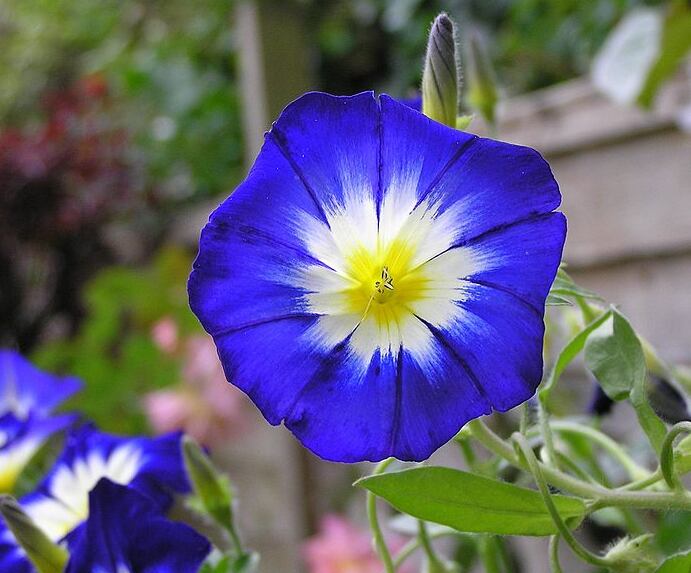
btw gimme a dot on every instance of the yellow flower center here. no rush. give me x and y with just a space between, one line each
385 282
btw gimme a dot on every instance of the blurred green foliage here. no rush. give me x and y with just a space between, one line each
534 43
114 352
167 63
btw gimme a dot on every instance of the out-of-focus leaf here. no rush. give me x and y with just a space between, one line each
676 564
564 286
621 68
471 503
614 355
674 46
674 532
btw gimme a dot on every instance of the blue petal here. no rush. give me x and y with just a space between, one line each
271 362
126 532
499 338
403 409
259 222
24 388
522 259
332 143
12 557
21 440
498 183
159 473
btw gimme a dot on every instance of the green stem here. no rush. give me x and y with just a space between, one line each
602 497
564 531
489 554
379 542
426 545
547 436
414 544
652 479
635 471
554 564
667 455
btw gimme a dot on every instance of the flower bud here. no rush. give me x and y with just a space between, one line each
213 491
441 76
482 86
46 556
633 555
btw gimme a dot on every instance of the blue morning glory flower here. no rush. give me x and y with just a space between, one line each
379 279
21 439
25 389
27 396
127 533
152 466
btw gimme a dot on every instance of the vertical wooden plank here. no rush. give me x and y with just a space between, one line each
269 466
275 68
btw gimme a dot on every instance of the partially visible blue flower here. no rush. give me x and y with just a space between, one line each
152 466
27 397
24 389
127 533
21 439
379 279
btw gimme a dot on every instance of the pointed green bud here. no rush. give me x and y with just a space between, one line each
212 489
482 86
46 556
441 77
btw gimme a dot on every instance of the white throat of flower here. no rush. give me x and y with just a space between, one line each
385 277
70 487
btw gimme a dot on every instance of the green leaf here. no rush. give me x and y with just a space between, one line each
214 492
471 503
564 286
568 353
674 45
676 564
613 353
46 556
673 534
245 563
624 62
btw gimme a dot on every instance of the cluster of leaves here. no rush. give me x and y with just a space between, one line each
113 352
584 477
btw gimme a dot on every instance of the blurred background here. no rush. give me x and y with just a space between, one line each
123 123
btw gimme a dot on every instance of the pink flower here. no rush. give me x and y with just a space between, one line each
165 335
204 405
342 547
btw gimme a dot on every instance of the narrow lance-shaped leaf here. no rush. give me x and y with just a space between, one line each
45 555
471 503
